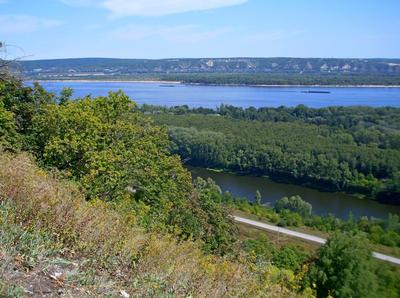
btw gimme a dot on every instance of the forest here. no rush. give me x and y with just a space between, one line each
351 149
290 79
93 201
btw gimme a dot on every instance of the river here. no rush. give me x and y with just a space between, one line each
212 96
243 96
339 204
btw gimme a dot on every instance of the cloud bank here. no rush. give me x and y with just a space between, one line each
187 34
124 8
18 23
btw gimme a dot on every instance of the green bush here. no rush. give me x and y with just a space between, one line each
294 204
290 257
9 138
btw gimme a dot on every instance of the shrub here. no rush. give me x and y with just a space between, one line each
9 138
290 257
294 204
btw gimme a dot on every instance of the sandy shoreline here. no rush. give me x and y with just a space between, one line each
222 85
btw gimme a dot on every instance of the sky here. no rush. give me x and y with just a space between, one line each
47 29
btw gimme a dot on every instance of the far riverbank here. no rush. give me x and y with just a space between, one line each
203 84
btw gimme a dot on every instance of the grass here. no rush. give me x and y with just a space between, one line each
250 232
53 241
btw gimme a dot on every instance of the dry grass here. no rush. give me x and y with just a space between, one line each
109 249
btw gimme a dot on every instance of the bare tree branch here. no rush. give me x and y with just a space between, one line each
7 65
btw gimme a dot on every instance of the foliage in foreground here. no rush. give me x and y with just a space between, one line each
116 155
129 214
50 219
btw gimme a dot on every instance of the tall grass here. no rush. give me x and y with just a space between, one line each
147 264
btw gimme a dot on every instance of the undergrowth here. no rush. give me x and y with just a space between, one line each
50 233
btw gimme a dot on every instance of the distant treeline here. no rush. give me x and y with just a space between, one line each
239 79
353 149
283 79
219 71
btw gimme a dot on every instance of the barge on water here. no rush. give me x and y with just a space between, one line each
316 91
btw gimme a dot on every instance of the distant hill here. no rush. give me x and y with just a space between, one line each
229 65
222 70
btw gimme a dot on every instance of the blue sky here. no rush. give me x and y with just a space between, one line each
38 29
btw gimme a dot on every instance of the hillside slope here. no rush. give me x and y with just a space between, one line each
53 243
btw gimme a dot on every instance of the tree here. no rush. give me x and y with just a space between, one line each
218 229
294 204
110 148
65 95
258 197
9 138
3 65
344 268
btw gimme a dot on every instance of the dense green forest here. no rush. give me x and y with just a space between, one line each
93 201
283 79
352 149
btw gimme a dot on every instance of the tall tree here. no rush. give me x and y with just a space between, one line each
258 197
344 268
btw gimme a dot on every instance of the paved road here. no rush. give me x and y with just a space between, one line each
305 236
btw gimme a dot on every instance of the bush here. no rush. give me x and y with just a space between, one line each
290 257
294 204
261 250
9 138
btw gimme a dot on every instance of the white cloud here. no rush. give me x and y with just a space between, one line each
11 24
124 8
81 2
189 34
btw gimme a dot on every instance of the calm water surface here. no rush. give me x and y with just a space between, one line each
338 204
213 96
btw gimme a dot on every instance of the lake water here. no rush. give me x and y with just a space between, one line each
213 96
338 204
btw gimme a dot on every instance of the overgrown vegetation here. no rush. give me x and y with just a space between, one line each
115 154
92 203
47 226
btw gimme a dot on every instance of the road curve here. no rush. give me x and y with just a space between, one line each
308 237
